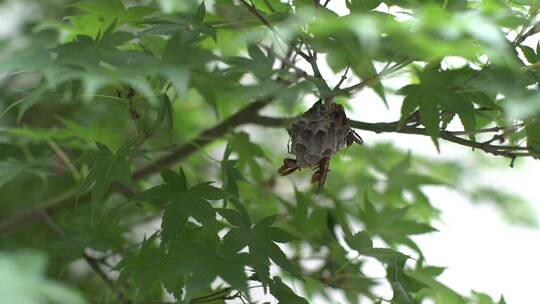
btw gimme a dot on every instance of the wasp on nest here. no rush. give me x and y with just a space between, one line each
322 131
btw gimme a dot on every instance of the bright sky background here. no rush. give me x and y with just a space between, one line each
481 251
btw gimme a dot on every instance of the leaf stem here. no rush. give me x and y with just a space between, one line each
65 158
343 77
220 294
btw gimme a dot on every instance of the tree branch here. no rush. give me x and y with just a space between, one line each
94 264
33 216
311 57
343 78
446 135
204 138
480 131
244 116
371 80
286 62
392 127
312 60
221 294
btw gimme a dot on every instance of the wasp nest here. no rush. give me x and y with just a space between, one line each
316 136
319 133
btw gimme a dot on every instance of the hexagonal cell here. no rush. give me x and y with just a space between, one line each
299 148
313 158
307 134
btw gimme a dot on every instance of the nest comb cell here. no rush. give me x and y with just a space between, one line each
322 131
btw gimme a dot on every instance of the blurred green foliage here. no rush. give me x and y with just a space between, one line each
97 98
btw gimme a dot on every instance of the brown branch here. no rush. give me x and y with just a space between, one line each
242 117
221 294
392 127
94 264
35 215
362 84
313 61
523 34
343 78
505 130
311 57
286 62
369 81
245 116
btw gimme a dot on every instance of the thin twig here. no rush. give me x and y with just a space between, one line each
488 130
218 295
286 62
311 57
65 159
343 78
371 80
203 139
313 60
253 10
94 264
522 35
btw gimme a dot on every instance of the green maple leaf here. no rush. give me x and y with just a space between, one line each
180 209
10 168
198 255
364 245
391 223
106 167
403 284
261 239
284 294
248 153
182 203
145 267
432 96
101 14
532 130
439 291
